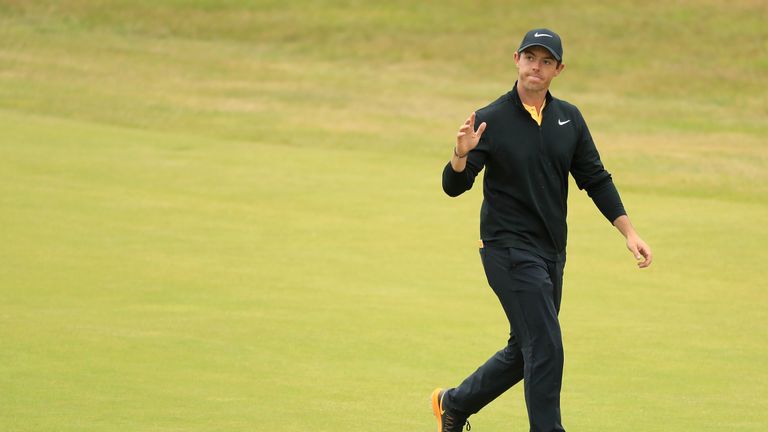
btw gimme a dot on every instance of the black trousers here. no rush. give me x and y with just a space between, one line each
529 288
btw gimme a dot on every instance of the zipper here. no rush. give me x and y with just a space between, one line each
543 159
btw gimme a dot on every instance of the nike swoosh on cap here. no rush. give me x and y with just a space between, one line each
562 122
542 34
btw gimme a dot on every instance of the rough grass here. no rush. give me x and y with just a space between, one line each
227 215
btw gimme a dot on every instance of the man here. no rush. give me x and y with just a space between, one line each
528 142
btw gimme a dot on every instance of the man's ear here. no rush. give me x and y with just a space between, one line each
560 68
517 58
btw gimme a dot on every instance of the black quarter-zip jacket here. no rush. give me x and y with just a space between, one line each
525 188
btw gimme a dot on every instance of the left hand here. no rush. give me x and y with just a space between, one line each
640 250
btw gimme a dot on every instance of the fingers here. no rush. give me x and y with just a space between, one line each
467 138
641 251
462 132
647 255
480 129
469 125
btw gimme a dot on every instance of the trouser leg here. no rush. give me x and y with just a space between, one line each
529 289
500 372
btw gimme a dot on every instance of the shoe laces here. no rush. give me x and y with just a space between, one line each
453 424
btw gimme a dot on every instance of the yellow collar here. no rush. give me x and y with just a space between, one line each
535 114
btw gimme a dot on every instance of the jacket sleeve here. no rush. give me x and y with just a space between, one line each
590 175
456 183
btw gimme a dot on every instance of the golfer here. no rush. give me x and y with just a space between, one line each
528 142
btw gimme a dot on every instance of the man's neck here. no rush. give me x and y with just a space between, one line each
532 98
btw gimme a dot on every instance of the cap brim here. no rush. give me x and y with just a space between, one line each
523 48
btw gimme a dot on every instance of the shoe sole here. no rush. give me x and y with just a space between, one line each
437 405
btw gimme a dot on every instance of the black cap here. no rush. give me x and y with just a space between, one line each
545 38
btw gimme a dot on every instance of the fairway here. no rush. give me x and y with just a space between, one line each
225 216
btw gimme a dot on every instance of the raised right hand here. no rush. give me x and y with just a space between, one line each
468 137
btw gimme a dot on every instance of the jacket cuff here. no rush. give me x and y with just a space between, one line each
608 201
454 183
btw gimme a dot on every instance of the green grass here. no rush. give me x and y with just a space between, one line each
228 216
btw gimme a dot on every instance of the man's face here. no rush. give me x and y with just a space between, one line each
536 67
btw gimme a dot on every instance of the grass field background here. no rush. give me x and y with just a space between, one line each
227 215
